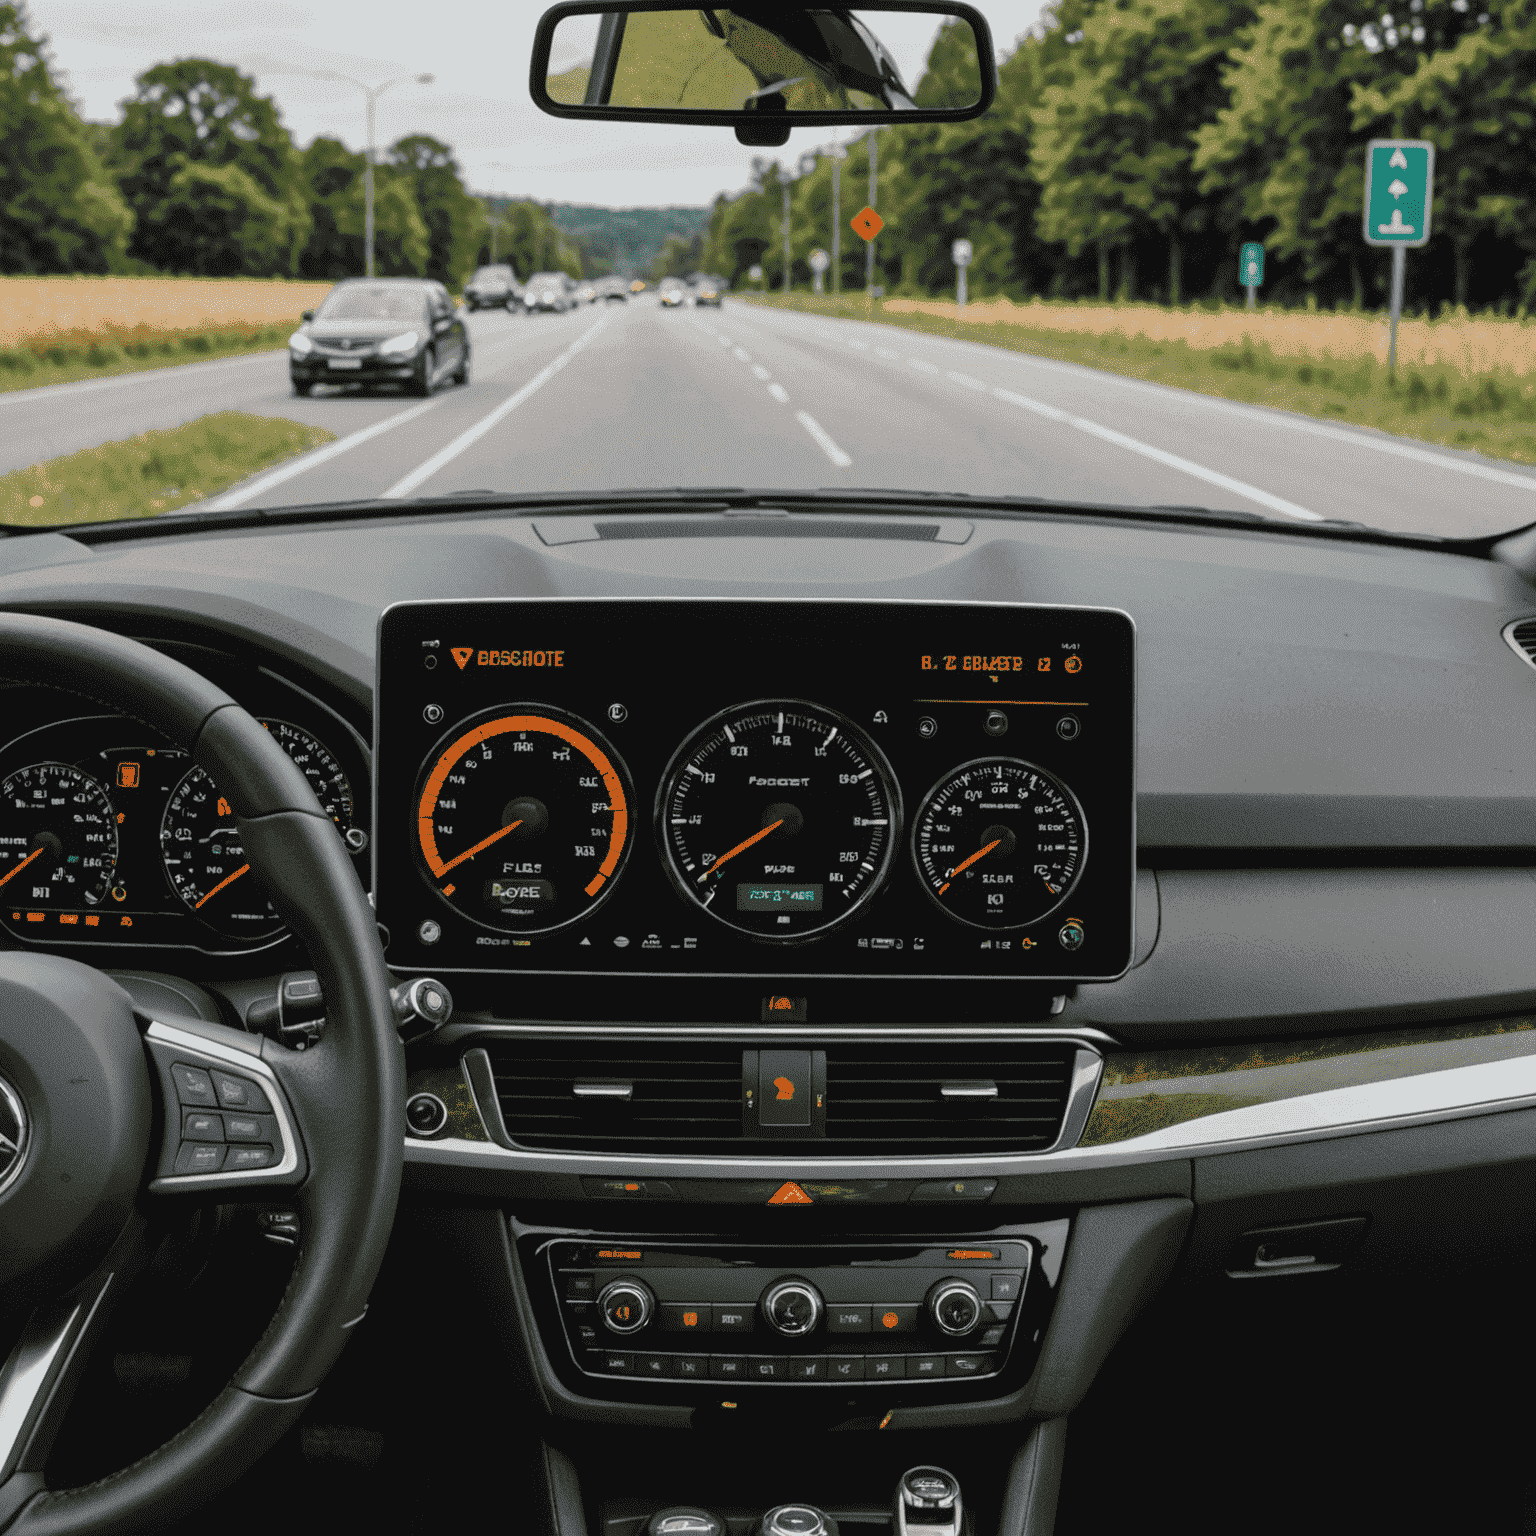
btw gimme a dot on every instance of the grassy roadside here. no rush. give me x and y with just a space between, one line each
152 473
1491 411
68 357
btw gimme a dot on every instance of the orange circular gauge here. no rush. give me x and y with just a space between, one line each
523 819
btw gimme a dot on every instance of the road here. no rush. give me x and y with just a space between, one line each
632 395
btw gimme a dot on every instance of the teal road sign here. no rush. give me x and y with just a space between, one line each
1250 264
1399 186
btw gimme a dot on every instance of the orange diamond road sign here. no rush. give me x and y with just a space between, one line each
867 223
789 1194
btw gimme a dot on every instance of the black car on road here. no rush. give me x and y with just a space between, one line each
381 330
494 287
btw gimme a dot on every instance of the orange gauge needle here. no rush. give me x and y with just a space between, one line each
480 847
980 853
756 837
18 869
227 880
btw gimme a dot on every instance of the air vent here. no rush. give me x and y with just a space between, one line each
1521 638
883 1099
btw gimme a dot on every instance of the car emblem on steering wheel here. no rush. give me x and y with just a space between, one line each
13 1135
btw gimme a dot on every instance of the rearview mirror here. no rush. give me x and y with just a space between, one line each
762 68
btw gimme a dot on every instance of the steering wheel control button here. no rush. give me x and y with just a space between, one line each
677 1318
426 1115
1006 1287
243 1159
732 1319
193 1085
793 1308
841 1319
240 1093
200 1157
626 1306
249 1128
954 1307
685 1522
952 1190
198 1126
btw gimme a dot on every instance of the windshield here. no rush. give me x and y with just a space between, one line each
357 302
1272 263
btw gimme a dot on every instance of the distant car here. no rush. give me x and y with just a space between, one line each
384 330
492 288
587 294
638 286
706 290
547 293
615 291
674 293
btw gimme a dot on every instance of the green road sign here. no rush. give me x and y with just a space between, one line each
1250 264
1399 185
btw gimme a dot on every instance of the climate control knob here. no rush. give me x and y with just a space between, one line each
793 1308
626 1306
954 1307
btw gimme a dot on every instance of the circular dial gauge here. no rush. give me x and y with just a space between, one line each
206 863
58 838
999 843
326 776
523 819
779 818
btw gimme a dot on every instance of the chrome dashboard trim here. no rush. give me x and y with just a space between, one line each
1398 1103
251 1066
466 1029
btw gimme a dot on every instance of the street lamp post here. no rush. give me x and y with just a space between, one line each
373 93
838 155
869 248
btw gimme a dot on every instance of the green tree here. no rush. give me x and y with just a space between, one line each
333 179
453 218
678 257
199 113
59 211
528 238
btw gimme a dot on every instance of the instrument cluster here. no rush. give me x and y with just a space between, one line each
756 788
110 835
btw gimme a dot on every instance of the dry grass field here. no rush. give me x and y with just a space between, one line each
46 310
1470 344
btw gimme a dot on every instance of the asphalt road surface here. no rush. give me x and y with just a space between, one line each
636 396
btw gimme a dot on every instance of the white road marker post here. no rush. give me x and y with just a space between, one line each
961 252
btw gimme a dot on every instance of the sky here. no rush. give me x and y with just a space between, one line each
478 102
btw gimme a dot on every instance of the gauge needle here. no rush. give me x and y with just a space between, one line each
18 869
756 837
227 880
480 847
980 853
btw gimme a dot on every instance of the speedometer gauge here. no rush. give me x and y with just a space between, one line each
58 837
205 860
523 819
999 843
779 819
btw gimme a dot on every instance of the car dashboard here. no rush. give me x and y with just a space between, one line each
1237 975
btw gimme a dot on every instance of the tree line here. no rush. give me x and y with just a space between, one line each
200 177
1136 144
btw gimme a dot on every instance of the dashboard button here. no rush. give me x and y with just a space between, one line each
197 1126
580 1287
193 1085
616 1363
885 1367
901 1318
243 1159
615 1189
1001 1311
732 1319
971 1365
727 1368
845 1367
805 1368
847 1319
200 1157
949 1191
766 1368
239 1093
657 1366
925 1367
683 1318
691 1367
1006 1287
992 1337
250 1128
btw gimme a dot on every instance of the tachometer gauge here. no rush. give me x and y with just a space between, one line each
999 843
206 861
779 819
58 838
523 819
326 776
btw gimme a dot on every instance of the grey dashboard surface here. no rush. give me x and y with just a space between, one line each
1293 693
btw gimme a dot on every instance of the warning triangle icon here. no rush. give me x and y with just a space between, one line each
790 1194
585 942
462 653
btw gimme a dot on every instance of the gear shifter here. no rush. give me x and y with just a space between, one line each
928 1503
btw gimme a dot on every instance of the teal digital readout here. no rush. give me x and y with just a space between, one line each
778 898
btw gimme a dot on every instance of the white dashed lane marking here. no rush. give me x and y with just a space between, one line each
823 439
779 393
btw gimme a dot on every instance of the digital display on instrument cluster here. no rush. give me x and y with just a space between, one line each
778 789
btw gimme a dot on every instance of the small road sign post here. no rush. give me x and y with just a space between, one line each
961 252
755 274
1399 188
819 262
1250 267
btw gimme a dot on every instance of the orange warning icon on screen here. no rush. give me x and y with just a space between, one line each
461 654
789 1194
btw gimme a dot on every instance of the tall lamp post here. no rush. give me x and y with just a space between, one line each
874 185
837 154
806 167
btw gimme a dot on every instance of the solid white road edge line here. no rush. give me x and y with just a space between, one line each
308 461
823 439
144 376
1158 456
466 440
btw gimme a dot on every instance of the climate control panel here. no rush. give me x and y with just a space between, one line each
846 1314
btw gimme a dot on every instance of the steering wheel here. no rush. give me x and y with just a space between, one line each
105 1114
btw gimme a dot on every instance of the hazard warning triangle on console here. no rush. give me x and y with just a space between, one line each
790 1194
462 653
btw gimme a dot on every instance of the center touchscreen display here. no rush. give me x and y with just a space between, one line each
755 788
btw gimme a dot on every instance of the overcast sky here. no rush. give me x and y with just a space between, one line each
479 102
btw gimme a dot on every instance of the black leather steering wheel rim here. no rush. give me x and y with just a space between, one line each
348 1090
